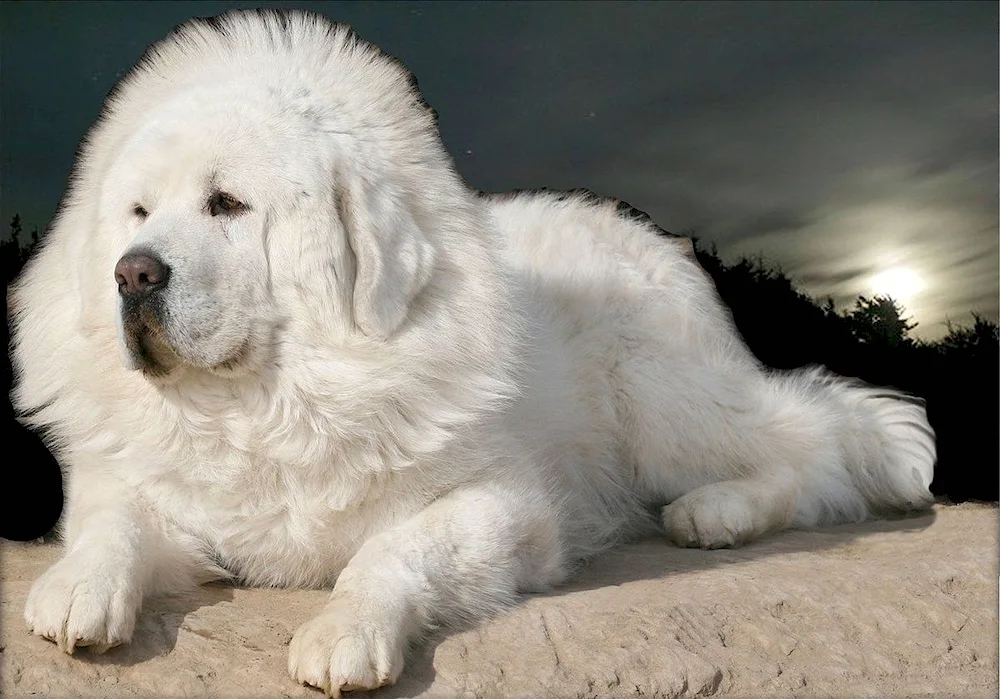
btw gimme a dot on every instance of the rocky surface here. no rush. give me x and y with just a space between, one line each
903 608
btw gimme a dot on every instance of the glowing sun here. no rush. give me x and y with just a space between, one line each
901 283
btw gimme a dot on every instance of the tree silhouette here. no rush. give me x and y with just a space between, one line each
983 338
880 321
11 256
15 229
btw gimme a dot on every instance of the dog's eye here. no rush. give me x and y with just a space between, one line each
222 203
139 211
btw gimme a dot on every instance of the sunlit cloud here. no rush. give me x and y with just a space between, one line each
938 261
900 283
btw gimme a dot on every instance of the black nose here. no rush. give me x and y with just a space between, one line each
140 274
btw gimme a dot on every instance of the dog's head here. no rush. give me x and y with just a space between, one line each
277 182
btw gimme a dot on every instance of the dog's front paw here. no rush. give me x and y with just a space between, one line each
80 602
344 649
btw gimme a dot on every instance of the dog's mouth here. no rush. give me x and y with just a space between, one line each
151 351
146 342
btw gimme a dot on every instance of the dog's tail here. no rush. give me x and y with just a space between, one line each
882 451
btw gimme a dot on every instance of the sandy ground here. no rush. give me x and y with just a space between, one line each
904 608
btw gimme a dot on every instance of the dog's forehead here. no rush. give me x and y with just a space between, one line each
194 136
211 118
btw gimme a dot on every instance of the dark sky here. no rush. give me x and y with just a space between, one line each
842 141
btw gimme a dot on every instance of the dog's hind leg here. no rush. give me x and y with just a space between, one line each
730 513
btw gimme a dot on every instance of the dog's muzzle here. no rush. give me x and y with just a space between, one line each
142 280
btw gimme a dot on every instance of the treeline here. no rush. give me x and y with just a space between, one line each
958 375
31 497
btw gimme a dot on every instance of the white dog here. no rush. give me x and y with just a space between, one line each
276 338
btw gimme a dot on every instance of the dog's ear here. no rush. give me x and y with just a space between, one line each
394 259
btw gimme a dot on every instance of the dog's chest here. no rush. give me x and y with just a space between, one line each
269 522
274 501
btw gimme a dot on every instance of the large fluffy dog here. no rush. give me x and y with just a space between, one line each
274 337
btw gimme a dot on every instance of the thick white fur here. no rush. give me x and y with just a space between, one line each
380 379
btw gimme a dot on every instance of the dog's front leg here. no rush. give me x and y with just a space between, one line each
116 551
464 557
